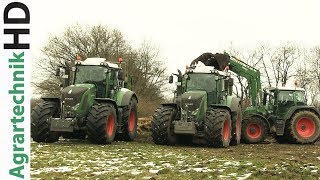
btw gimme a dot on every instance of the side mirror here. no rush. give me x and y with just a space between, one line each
57 72
170 79
121 75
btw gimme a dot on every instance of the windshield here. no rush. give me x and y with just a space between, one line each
201 82
87 74
285 96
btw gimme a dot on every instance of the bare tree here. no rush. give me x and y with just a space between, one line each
282 62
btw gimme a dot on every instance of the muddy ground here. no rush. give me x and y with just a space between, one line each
141 159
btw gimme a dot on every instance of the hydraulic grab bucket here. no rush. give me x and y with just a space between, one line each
218 61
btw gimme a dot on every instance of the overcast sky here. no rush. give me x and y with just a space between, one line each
182 30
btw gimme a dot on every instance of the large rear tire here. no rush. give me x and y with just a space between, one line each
236 127
40 123
130 120
102 124
303 128
217 128
254 130
162 127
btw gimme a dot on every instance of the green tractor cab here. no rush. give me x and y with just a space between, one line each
203 110
94 103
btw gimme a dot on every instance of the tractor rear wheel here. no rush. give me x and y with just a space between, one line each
130 120
303 128
217 128
40 122
236 127
162 127
254 130
102 124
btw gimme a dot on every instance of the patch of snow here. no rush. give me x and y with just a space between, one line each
231 163
154 171
168 165
135 172
98 173
198 169
314 171
244 176
149 164
180 162
147 177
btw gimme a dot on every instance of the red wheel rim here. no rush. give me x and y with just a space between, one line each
110 125
132 120
226 130
305 127
254 131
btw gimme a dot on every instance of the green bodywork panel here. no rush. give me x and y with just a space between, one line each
81 109
194 103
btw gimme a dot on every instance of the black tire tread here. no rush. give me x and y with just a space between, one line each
160 124
40 126
214 123
96 123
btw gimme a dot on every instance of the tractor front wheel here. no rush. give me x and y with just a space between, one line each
102 124
303 128
254 130
161 126
40 122
217 128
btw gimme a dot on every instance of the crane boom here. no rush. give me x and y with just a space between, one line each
251 74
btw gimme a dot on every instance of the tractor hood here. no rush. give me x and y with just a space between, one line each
194 105
76 97
191 100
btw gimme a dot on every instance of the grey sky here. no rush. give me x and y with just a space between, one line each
184 29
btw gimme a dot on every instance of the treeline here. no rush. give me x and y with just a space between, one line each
284 65
143 63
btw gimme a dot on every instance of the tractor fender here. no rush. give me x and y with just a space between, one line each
280 127
221 107
124 96
233 103
51 99
107 100
174 105
294 109
263 118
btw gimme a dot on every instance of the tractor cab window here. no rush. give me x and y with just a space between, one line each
90 74
201 82
291 96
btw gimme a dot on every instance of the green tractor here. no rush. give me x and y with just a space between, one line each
203 111
94 103
280 111
285 113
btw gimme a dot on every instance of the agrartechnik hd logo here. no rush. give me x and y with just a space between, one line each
15 60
